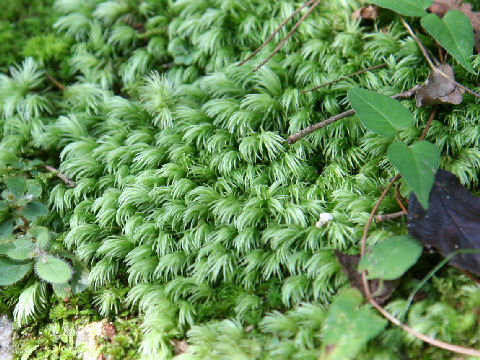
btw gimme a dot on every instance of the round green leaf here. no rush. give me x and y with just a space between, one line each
418 165
405 7
12 271
379 113
53 269
17 185
455 33
34 209
22 249
390 259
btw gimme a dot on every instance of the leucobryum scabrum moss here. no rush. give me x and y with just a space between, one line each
189 206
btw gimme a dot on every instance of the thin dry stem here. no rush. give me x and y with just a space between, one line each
429 122
345 77
66 180
55 82
399 201
297 24
379 218
311 128
275 32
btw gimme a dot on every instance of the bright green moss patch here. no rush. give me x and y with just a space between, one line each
189 208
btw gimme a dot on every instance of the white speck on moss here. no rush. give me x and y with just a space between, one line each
5 338
324 219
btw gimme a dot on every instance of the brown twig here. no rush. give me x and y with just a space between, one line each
311 128
399 201
429 60
275 32
379 218
345 77
429 122
66 180
55 82
290 33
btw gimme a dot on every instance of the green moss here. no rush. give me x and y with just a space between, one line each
189 207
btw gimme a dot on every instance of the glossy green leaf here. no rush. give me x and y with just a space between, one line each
53 269
390 259
34 209
455 33
405 7
417 164
379 113
349 325
17 185
12 271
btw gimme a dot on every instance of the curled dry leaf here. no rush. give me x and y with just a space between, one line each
438 89
451 223
366 13
441 7
382 290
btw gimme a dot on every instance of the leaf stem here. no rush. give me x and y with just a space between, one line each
55 82
66 180
345 77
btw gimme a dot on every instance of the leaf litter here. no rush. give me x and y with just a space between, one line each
451 223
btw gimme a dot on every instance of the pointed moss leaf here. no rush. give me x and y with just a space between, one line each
405 7
41 235
379 113
53 269
17 185
349 325
417 164
22 249
455 33
12 271
390 259
34 209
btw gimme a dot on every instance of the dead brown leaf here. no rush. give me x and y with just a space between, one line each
440 7
439 90
179 346
381 290
366 13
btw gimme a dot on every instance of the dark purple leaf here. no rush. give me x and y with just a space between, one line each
452 221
